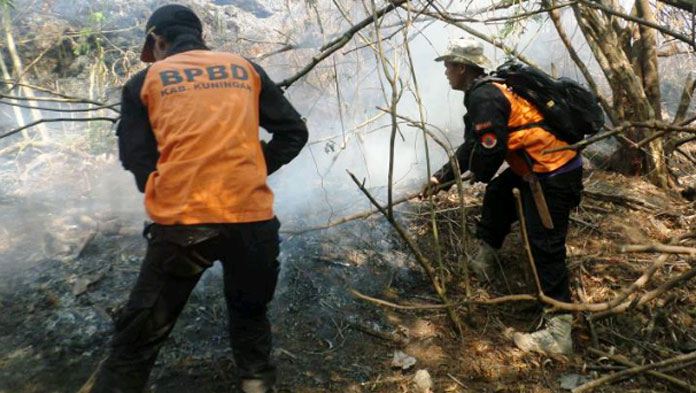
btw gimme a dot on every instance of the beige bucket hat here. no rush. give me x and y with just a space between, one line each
467 51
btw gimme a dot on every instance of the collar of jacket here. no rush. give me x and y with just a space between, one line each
475 84
184 44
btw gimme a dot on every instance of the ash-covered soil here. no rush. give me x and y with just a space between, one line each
69 260
56 318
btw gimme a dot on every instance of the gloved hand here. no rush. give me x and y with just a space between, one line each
430 188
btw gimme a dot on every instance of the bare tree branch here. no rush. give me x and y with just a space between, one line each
43 108
425 264
621 360
633 371
661 248
53 99
488 302
547 8
338 43
686 5
685 99
445 17
55 120
623 128
640 21
556 19
501 5
358 216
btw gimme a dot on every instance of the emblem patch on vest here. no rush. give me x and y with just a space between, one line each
489 140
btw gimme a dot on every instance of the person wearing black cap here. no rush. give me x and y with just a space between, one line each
189 133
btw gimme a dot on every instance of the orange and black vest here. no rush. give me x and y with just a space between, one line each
203 109
533 140
190 134
501 126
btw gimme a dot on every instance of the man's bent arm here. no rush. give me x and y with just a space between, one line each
136 143
488 112
279 118
462 154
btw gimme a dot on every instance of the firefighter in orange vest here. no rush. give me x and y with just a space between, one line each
503 127
190 135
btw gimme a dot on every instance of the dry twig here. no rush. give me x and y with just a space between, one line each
657 247
484 302
32 124
525 240
623 128
681 359
366 214
417 253
621 360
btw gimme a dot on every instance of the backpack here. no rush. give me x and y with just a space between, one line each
570 110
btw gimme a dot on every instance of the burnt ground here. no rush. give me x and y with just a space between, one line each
59 288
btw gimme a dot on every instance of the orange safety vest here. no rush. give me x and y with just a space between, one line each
534 140
203 107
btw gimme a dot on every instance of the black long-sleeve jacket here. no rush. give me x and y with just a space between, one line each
487 114
502 126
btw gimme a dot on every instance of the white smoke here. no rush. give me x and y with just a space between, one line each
315 187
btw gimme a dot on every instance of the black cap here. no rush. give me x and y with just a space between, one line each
167 16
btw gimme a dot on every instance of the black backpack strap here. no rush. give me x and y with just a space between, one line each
495 78
486 79
540 124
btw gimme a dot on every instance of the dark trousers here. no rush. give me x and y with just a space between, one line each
562 193
176 258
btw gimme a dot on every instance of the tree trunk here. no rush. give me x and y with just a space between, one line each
606 46
556 19
19 69
657 167
685 100
634 84
19 118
